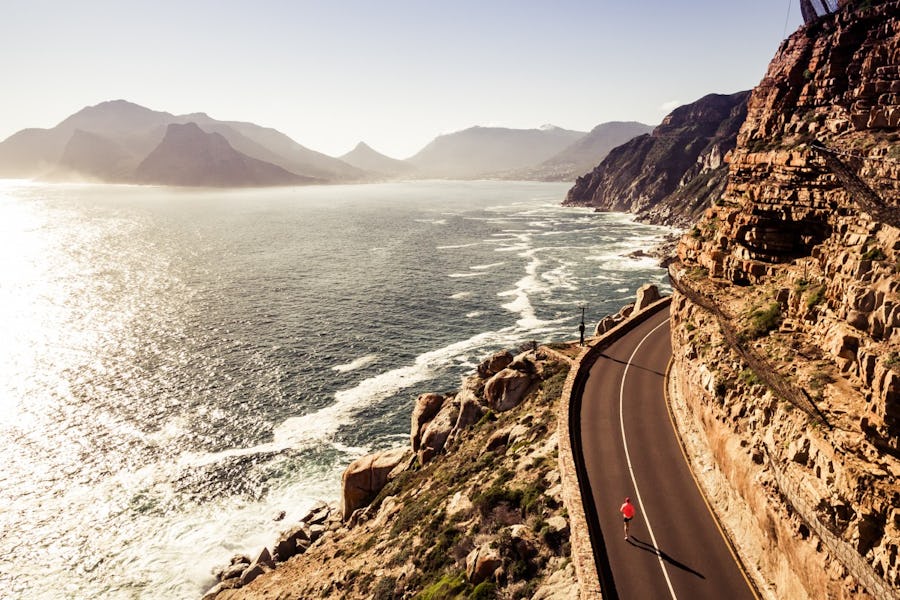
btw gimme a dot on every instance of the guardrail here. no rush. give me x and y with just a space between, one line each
588 555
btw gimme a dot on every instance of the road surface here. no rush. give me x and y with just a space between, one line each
675 549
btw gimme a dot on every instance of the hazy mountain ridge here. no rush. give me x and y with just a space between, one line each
366 158
482 151
584 153
109 141
189 156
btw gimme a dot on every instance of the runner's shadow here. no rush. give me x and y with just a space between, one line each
642 545
635 365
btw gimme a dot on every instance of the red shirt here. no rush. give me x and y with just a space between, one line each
627 510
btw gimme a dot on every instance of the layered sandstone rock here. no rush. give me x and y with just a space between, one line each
800 259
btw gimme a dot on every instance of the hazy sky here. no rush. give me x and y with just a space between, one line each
392 73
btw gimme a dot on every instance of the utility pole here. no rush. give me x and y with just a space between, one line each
581 327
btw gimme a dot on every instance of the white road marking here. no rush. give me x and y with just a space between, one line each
662 564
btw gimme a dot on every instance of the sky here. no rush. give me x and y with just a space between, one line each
392 73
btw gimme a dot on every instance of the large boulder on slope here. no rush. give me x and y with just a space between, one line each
427 406
482 563
470 411
507 389
494 364
647 294
367 476
435 434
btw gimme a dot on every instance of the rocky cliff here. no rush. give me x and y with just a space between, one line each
471 507
786 319
670 175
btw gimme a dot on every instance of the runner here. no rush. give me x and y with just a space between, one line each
627 510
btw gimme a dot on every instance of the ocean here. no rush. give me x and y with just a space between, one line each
177 367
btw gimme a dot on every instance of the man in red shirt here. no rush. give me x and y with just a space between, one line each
627 510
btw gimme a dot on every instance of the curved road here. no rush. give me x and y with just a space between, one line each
676 549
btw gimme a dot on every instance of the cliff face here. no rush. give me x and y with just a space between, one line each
669 175
788 311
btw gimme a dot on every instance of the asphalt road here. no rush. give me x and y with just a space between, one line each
676 549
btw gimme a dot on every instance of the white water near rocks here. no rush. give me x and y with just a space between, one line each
177 367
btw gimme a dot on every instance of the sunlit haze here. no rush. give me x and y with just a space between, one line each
393 74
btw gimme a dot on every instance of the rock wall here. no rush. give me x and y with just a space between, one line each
802 256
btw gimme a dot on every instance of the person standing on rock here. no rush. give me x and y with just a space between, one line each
627 510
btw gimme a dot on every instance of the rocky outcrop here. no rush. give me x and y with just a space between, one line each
366 476
670 175
785 324
477 515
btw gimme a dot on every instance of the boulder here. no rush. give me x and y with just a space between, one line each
482 563
252 572
233 572
291 542
470 411
435 435
494 364
367 476
262 564
317 514
607 323
647 294
497 440
507 389
427 406
523 362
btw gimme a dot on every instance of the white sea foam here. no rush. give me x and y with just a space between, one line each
464 275
486 267
461 295
473 314
457 246
321 425
359 363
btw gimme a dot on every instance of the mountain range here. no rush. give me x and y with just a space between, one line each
122 142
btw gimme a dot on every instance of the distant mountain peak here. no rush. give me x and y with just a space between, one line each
365 157
549 127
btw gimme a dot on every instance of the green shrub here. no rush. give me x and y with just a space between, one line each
486 590
495 495
763 320
892 361
448 588
749 377
874 254
385 589
815 296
